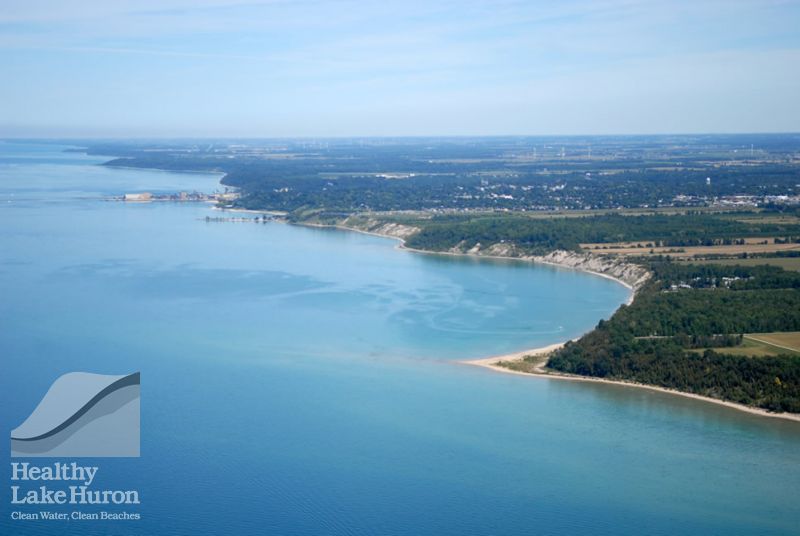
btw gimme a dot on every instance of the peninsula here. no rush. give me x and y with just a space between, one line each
708 236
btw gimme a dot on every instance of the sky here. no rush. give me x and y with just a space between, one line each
296 68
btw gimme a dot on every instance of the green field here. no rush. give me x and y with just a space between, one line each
762 345
787 263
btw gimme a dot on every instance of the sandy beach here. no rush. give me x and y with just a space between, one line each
539 371
491 363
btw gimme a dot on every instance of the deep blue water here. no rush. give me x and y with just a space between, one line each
302 381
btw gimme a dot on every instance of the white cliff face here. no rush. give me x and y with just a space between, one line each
633 275
630 274
394 230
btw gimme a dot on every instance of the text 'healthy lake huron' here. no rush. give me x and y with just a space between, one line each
304 381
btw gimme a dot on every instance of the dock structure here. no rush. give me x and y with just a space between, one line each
141 197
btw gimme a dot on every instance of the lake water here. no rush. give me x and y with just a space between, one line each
303 381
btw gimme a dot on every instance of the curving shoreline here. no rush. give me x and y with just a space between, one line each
534 260
401 237
491 363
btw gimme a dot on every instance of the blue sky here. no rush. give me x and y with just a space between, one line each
164 68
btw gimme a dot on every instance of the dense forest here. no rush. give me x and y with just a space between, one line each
539 235
647 341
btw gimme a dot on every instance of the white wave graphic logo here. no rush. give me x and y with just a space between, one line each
83 415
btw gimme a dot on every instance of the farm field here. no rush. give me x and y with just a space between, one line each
762 345
786 340
787 263
751 245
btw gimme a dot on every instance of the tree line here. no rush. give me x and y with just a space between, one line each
648 341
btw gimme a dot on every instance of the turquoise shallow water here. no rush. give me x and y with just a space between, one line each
302 381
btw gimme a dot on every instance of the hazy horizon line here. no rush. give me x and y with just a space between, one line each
397 136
